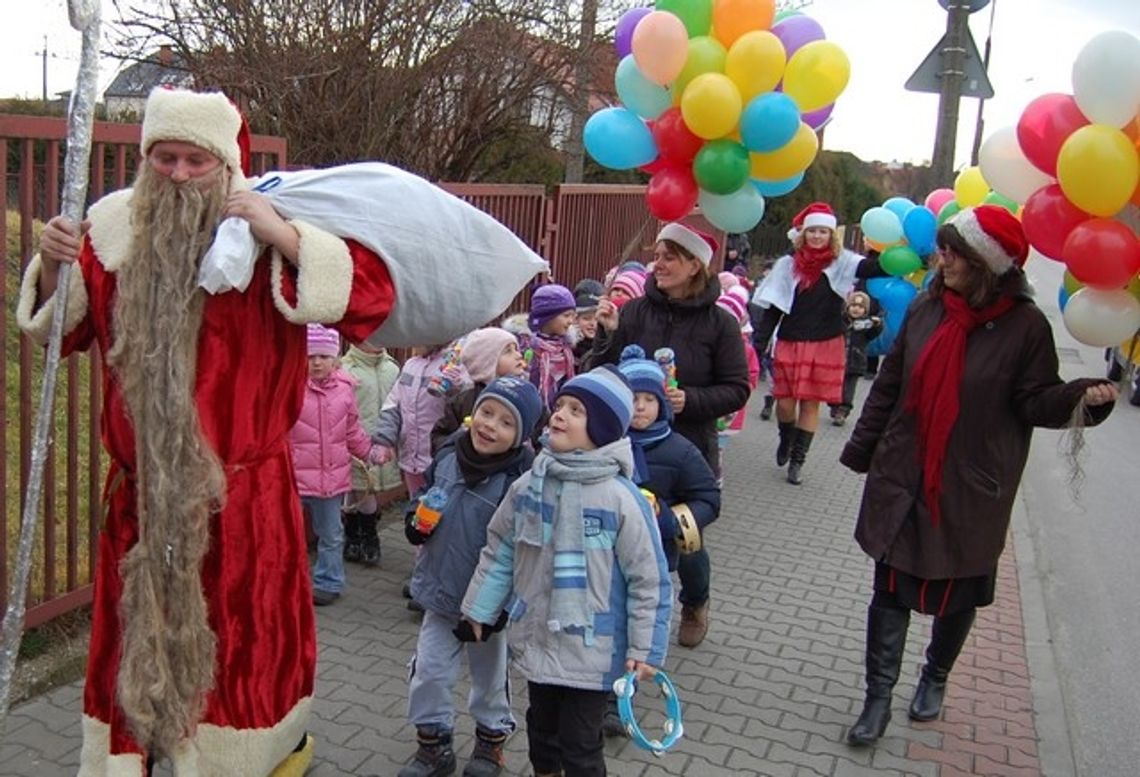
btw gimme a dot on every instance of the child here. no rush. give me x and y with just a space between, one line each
552 312
862 328
586 295
574 555
672 468
486 354
376 373
627 285
735 301
326 432
469 476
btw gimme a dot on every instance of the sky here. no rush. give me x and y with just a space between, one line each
1034 45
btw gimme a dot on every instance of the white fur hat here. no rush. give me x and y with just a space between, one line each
205 119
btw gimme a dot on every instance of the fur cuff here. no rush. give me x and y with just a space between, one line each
36 324
217 751
324 278
95 758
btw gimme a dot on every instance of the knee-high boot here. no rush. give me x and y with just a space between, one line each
947 637
800 444
886 637
787 434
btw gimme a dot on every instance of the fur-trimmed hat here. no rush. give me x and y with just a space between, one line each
817 214
995 234
204 119
694 241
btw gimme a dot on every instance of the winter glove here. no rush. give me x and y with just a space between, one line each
464 633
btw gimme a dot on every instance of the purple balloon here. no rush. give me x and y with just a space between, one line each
815 119
797 31
623 37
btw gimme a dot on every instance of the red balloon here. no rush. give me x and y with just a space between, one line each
1102 253
1048 218
672 193
675 141
1043 127
654 167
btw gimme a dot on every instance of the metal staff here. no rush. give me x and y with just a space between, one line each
85 17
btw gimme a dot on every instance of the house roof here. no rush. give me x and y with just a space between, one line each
137 79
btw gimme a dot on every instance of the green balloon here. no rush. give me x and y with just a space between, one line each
781 15
696 15
706 55
993 198
1072 285
721 166
949 210
900 261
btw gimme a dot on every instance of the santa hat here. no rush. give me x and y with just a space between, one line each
995 234
323 341
205 119
692 240
818 214
735 301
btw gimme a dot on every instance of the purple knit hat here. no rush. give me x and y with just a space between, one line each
547 302
323 341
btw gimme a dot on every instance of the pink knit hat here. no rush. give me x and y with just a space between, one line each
481 350
735 301
630 283
323 341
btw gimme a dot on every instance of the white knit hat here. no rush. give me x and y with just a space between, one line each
205 119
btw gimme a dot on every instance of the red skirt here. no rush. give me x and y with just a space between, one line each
810 370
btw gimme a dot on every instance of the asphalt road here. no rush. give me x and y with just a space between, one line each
1088 563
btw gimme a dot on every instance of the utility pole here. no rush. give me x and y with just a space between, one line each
953 64
44 54
580 96
979 128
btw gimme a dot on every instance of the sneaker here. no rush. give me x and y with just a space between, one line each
694 624
324 598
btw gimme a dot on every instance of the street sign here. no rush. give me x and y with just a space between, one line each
928 77
975 5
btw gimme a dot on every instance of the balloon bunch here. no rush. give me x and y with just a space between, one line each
1074 161
721 100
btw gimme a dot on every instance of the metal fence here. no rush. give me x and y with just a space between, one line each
582 230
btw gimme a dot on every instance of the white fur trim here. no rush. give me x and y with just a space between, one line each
820 220
111 229
206 119
95 759
215 751
779 287
324 278
989 249
36 324
687 239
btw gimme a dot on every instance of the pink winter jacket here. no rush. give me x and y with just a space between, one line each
327 431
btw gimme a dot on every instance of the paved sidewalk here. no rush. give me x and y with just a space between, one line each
770 692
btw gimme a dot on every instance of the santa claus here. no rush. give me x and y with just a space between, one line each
203 643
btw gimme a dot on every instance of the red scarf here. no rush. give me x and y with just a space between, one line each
935 383
809 263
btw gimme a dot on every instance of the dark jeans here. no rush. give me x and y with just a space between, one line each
694 570
564 731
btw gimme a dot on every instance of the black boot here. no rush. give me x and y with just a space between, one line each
800 444
434 758
487 759
766 411
611 720
369 539
947 637
886 637
353 548
787 433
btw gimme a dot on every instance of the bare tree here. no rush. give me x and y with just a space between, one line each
426 84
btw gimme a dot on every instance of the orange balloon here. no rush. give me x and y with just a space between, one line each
733 18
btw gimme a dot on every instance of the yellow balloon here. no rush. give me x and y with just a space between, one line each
816 75
711 106
706 55
970 187
789 160
917 277
755 63
1130 350
1098 168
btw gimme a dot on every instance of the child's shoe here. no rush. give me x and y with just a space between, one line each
434 758
487 759
369 540
353 537
766 412
611 720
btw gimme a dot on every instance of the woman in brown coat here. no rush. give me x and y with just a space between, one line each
944 437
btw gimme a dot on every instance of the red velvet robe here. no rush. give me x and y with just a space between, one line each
252 367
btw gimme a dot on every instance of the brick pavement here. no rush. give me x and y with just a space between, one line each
770 692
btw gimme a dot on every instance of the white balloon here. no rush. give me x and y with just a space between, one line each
1006 169
1106 78
1102 318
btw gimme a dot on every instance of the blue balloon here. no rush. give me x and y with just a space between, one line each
777 188
895 296
1062 297
617 138
769 122
900 206
645 98
919 227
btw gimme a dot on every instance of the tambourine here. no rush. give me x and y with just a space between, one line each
689 541
625 687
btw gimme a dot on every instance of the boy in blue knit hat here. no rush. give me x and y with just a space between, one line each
465 484
574 557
